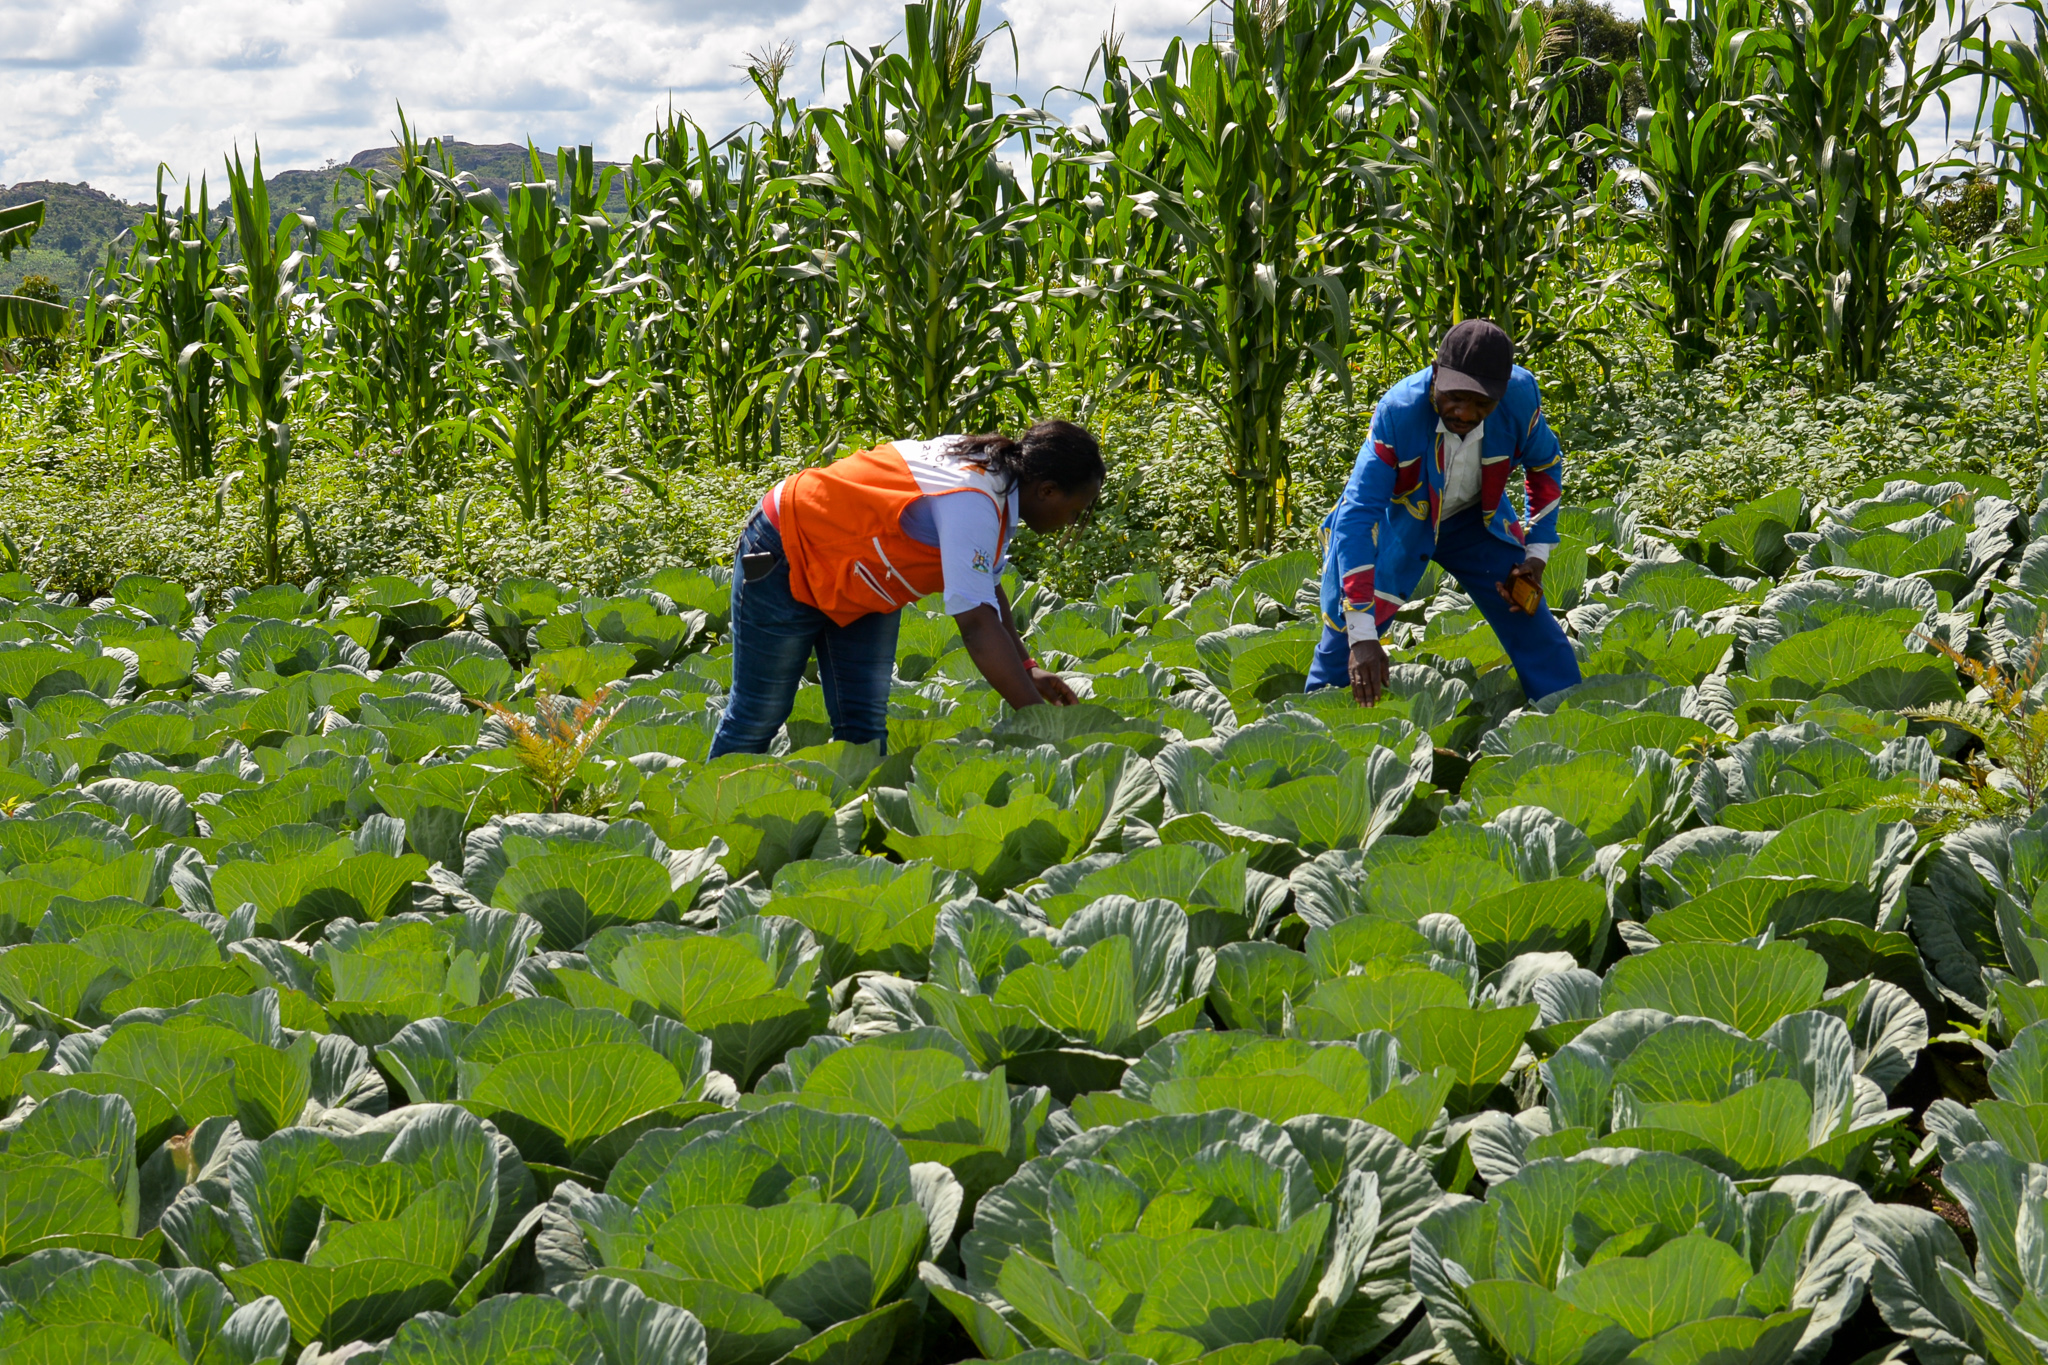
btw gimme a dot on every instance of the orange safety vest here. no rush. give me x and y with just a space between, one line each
842 527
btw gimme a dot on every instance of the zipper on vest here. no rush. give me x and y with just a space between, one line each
861 571
877 541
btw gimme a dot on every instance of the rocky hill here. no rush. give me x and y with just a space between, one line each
78 224
81 223
494 165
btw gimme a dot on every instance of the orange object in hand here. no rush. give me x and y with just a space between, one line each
1526 596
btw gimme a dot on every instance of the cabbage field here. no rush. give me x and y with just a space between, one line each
390 977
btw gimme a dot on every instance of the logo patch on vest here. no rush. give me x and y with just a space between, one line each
980 562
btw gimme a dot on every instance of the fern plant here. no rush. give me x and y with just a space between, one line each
552 743
2011 728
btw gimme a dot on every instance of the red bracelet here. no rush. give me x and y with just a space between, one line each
1030 662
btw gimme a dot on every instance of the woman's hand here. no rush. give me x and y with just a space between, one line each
993 647
1053 687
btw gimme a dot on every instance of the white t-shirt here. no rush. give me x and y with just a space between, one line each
1461 491
973 551
1461 468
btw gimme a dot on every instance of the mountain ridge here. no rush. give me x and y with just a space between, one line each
82 222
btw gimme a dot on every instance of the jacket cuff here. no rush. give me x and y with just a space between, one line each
1359 626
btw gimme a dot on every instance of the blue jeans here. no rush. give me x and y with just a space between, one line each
1479 560
774 636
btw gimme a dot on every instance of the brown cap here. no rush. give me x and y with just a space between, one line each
1476 357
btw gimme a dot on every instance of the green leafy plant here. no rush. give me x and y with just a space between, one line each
836 1216
29 313
1925 1284
1575 1260
1257 131
1175 1237
542 335
41 348
922 212
75 1302
254 323
416 1210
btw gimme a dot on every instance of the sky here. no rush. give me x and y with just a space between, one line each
104 90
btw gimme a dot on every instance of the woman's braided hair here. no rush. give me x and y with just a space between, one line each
1063 453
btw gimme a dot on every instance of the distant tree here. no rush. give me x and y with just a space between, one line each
1967 207
1591 28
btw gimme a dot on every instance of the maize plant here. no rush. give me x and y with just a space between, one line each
254 325
165 300
1094 234
1067 322
813 393
1260 128
548 261
923 216
1692 142
2013 106
400 290
1845 83
713 234
257 344
1480 180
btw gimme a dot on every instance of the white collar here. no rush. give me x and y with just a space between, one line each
1454 438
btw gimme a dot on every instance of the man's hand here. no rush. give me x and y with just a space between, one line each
1529 571
1053 687
1368 671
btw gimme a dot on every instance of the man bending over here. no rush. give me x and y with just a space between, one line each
1431 483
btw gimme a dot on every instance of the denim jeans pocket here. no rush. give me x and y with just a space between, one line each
759 537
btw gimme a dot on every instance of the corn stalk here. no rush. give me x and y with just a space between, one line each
712 232
399 292
1481 182
548 261
254 324
1841 83
923 216
1692 141
1260 129
2012 109
1094 235
166 302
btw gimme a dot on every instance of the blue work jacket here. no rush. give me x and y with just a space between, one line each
1379 537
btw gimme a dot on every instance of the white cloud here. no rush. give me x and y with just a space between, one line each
77 33
389 18
102 90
